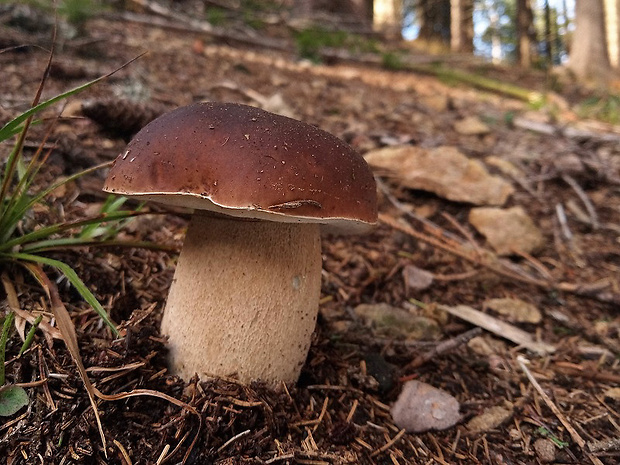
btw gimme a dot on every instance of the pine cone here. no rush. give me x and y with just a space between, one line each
121 118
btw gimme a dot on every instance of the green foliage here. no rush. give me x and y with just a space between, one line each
253 21
261 6
12 398
216 16
509 117
602 107
552 437
7 324
75 12
392 61
310 42
24 242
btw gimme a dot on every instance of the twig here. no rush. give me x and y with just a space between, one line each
389 444
604 446
322 414
401 207
124 453
542 269
498 327
491 262
470 238
522 361
279 458
561 214
176 21
584 198
164 455
482 260
233 439
443 347
42 371
24 385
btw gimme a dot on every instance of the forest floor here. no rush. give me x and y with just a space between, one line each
568 183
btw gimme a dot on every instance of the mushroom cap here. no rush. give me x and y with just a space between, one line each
245 162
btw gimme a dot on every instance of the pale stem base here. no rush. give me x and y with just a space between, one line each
244 299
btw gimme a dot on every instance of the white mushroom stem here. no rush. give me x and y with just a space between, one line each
244 299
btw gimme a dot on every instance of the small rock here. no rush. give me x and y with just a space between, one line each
276 104
417 278
538 116
397 323
341 326
516 310
471 126
437 102
569 163
545 450
504 166
491 418
613 393
421 407
508 231
445 171
486 346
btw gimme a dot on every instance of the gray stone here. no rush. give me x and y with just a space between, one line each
508 231
516 310
471 126
445 171
397 323
421 407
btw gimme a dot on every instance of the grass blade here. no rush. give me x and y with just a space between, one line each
67 329
64 243
16 124
6 328
10 218
30 335
48 231
73 278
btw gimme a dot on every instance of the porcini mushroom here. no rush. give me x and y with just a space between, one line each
245 293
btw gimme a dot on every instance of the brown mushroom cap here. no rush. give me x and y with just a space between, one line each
246 162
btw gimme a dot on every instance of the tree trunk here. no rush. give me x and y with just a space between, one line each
589 59
548 38
434 18
388 17
462 26
526 34
612 17
349 12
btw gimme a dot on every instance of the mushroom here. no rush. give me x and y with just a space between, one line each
245 294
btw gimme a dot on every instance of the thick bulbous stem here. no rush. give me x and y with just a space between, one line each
244 299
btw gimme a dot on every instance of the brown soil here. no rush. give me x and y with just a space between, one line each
339 411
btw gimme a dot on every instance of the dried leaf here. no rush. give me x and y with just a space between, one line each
67 329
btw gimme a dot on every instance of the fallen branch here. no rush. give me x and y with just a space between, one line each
556 411
569 132
490 261
499 328
443 347
169 19
584 198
